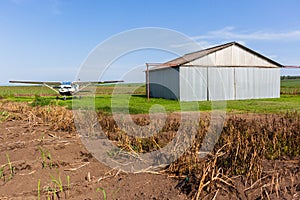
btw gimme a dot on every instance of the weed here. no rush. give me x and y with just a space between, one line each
11 168
2 172
50 159
4 115
55 188
39 189
43 157
57 182
68 185
46 156
51 193
103 192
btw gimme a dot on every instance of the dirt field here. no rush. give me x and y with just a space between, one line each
39 161
21 142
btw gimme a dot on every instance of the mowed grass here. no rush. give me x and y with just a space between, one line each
132 98
290 86
139 104
11 91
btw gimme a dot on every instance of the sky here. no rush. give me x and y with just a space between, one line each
50 39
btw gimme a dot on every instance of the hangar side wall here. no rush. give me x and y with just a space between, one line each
228 83
164 83
254 83
221 83
193 83
206 83
215 83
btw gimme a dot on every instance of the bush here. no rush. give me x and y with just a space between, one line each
40 101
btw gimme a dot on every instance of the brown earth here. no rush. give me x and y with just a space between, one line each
21 142
36 158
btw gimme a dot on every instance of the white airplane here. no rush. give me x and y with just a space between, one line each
65 88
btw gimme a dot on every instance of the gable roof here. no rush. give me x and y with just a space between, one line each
199 54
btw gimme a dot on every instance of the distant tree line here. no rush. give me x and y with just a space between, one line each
289 77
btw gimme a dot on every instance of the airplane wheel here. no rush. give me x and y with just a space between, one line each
65 98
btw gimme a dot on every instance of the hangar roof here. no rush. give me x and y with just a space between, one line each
190 57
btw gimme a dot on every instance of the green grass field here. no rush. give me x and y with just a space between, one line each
11 91
137 103
290 86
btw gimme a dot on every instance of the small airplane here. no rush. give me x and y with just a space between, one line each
66 88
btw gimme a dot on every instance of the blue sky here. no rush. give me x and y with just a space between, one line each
50 39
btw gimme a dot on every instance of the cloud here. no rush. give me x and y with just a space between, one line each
205 44
202 44
231 33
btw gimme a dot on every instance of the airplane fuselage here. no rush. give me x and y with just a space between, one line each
67 89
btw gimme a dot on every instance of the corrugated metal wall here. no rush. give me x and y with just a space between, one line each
164 83
194 80
228 83
253 83
215 83
221 83
227 74
193 83
231 56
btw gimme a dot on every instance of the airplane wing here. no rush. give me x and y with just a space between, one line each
50 84
38 82
53 85
85 84
95 82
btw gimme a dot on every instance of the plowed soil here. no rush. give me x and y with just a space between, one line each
22 143
37 162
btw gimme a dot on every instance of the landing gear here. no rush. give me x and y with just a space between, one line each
65 98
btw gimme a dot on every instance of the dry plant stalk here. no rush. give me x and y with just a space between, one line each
245 142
